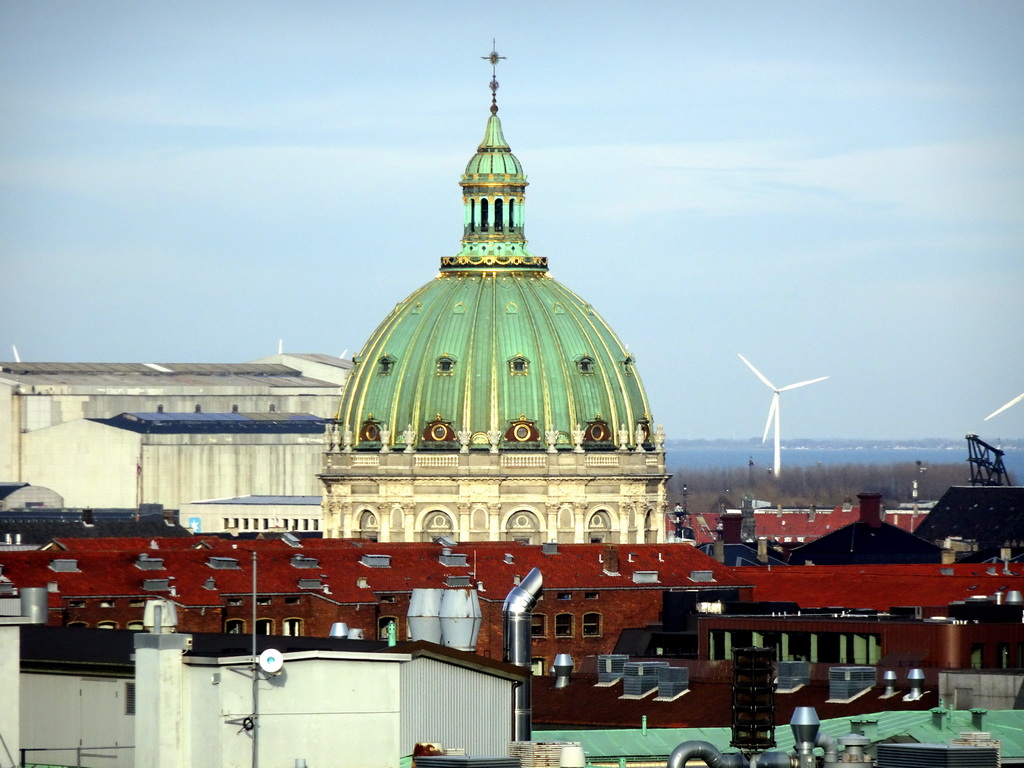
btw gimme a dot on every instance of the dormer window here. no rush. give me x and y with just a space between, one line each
585 365
519 366
445 365
627 364
385 365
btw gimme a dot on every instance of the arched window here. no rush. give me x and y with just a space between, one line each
234 627
472 215
591 624
484 220
511 215
292 627
499 218
382 627
385 364
539 625
107 625
445 365
585 364
563 625
264 626
135 626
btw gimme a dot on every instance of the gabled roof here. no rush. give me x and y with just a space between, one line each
990 515
863 543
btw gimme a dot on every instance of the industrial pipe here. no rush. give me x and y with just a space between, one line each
517 620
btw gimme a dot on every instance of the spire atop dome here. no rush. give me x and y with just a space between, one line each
494 58
493 199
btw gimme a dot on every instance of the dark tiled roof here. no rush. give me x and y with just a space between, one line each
991 516
861 543
39 532
219 423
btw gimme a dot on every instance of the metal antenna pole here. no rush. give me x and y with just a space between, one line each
255 676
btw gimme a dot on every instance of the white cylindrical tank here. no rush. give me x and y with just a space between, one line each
425 615
460 619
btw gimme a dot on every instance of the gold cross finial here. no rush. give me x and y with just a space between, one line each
494 58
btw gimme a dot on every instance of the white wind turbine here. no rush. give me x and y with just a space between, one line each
773 411
1010 404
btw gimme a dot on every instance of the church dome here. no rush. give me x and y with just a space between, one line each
493 352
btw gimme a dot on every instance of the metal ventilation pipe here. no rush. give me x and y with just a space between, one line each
806 733
517 619
915 679
563 670
890 682
35 604
703 750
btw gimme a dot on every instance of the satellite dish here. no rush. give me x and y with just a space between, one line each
271 661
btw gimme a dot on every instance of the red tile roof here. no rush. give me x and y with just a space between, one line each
880 587
111 570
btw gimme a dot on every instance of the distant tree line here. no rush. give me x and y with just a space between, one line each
709 490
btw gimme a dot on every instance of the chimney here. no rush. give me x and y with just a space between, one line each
718 548
978 718
762 550
870 509
731 525
611 560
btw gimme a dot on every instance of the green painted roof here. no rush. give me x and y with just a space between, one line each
493 338
1006 726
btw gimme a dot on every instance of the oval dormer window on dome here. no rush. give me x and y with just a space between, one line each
369 432
597 431
439 431
385 365
585 365
627 364
518 366
522 430
445 365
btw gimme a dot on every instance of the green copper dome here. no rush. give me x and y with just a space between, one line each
493 351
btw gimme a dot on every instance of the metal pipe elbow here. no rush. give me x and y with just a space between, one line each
706 751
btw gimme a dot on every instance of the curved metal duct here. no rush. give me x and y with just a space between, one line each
517 618
424 615
708 752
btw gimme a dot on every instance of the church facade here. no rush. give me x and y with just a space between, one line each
493 403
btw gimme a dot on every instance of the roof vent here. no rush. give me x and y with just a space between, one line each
702 576
672 681
847 682
223 563
639 678
291 540
444 541
310 584
210 583
146 563
890 683
509 558
562 670
64 565
455 559
301 561
156 585
362 582
610 667
376 561
549 548
646 577
793 674
456 581
915 679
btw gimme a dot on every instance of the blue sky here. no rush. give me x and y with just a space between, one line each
829 188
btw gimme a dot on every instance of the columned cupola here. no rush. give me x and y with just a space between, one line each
493 199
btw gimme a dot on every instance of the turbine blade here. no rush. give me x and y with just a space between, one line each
1010 404
803 383
771 415
758 373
